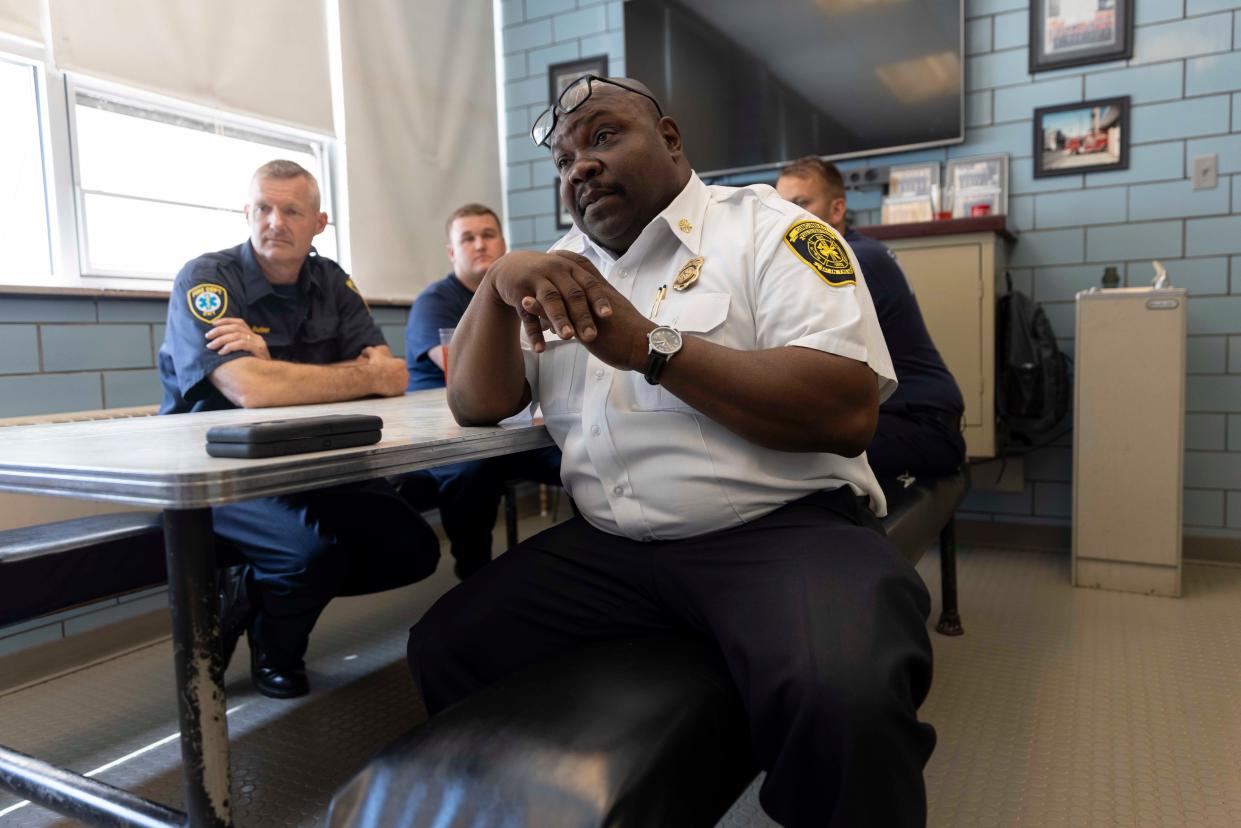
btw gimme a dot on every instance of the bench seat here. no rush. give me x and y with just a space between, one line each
639 732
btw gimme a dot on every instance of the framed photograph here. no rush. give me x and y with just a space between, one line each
560 75
969 182
906 209
563 219
1076 32
1092 136
914 180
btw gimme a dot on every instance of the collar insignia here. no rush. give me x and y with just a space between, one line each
688 274
685 226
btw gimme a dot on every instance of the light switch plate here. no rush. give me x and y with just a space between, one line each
1206 172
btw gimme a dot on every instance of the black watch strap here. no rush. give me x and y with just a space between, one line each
655 364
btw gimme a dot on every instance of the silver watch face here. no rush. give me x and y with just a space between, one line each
665 340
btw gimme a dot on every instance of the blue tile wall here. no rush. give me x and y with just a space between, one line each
1185 86
1206 355
1204 508
49 393
86 347
19 349
1146 84
1075 209
123 389
1206 432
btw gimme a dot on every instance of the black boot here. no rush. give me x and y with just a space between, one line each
236 609
276 682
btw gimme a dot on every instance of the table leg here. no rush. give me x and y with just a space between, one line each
190 552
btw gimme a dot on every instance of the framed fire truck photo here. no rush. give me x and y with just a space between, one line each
1092 136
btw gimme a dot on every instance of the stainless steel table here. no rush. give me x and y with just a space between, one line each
161 462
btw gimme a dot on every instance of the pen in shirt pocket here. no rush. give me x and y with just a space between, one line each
659 300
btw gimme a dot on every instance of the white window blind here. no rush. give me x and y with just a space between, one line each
23 209
267 59
20 18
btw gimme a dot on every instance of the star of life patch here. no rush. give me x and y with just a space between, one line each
208 302
820 248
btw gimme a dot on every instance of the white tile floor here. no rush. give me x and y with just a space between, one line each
1059 707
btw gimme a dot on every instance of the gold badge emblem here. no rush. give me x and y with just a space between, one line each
207 302
685 226
818 246
688 274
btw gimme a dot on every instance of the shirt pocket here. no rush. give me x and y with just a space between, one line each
697 314
562 376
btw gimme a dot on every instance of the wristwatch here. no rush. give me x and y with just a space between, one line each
663 343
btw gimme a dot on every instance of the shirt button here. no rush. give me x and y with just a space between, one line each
594 430
624 273
618 490
598 373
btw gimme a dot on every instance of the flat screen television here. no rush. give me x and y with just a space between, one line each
756 83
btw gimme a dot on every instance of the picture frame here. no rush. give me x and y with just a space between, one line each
564 220
1078 32
909 180
560 75
909 209
1074 138
979 179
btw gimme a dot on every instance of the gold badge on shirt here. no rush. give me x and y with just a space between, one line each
687 276
208 302
818 246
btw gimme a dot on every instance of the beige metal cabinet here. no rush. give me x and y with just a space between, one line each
954 279
1128 446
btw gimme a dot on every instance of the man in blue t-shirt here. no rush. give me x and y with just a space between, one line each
919 431
467 494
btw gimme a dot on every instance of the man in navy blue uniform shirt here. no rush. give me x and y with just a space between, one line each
271 323
919 431
467 494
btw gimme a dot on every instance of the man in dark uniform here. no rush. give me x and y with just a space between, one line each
467 494
710 364
270 323
919 431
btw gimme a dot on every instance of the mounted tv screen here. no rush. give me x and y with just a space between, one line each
756 84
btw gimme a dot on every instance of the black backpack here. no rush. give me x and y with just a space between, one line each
1033 389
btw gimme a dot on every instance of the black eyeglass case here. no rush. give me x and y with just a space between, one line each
271 438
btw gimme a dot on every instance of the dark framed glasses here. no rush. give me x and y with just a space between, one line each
573 96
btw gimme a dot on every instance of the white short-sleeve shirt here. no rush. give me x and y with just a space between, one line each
641 463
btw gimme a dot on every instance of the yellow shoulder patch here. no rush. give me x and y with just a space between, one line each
208 302
349 284
820 248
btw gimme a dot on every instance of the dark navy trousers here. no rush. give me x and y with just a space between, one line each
307 548
820 620
468 495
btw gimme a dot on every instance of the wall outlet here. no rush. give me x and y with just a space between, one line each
1206 172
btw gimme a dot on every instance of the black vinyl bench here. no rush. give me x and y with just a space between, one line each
631 732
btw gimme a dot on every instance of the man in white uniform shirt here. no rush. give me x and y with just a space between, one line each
712 372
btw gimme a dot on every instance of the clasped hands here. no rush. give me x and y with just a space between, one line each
564 293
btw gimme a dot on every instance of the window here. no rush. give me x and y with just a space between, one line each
23 209
157 187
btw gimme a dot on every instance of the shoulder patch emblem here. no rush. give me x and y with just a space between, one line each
208 302
349 284
818 246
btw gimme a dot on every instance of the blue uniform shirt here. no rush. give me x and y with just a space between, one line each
441 305
920 371
320 320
